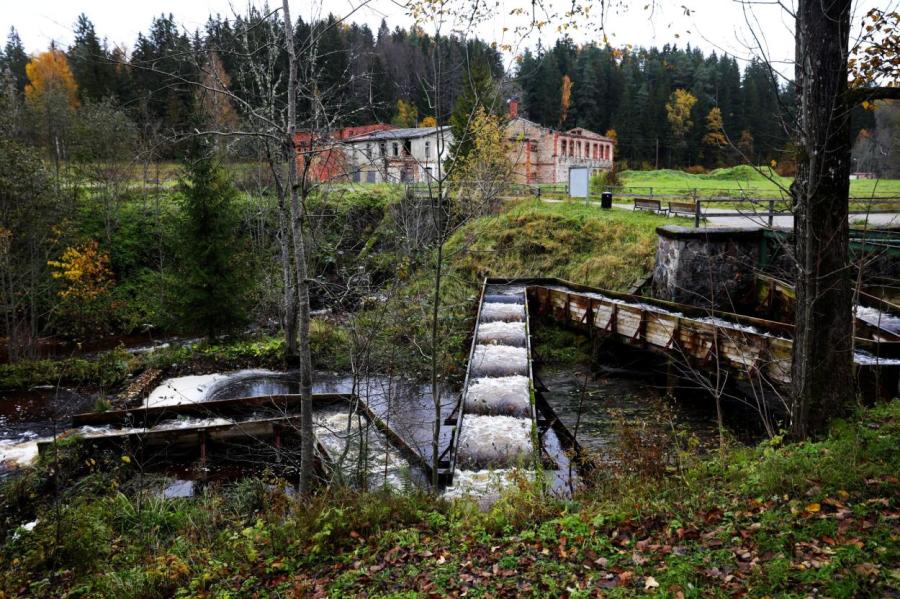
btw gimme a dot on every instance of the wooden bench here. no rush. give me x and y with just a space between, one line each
648 204
683 208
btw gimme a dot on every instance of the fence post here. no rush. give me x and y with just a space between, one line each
696 212
771 212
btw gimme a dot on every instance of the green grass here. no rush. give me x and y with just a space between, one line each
584 244
736 180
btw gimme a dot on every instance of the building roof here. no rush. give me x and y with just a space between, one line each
521 123
391 134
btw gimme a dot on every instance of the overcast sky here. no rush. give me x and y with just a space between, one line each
720 25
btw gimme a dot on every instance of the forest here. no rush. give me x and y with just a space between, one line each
630 92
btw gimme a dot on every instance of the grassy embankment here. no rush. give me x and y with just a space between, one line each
793 520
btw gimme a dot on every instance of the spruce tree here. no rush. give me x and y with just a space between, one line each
213 285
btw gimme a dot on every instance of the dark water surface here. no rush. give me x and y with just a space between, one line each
610 401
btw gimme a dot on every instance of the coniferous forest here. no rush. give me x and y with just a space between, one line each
630 91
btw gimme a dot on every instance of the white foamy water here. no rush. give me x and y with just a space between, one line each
877 318
503 333
505 395
191 423
384 464
494 441
16 454
195 388
486 486
495 311
498 360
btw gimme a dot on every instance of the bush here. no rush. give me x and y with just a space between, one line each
697 169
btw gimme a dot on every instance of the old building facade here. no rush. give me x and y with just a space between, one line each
544 155
397 155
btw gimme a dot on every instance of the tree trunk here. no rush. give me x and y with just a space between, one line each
307 441
290 298
822 371
435 357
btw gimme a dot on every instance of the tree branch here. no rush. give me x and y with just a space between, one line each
871 94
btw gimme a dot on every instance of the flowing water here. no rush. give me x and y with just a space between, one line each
29 417
606 402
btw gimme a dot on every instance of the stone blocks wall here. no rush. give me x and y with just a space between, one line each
706 267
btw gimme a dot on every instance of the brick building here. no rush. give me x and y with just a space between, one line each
397 155
544 155
328 158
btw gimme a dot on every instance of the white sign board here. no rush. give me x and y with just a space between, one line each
579 180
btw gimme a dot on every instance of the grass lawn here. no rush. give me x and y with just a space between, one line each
737 180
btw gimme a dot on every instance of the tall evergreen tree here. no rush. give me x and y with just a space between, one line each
15 58
90 62
213 285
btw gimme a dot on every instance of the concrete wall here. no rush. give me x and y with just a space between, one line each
706 267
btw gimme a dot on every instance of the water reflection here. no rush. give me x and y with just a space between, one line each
605 403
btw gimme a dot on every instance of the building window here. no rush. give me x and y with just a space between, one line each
427 149
571 149
382 149
396 148
407 147
369 151
563 147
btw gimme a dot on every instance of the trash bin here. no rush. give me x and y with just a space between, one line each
606 200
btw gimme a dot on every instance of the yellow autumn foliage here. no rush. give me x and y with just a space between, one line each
49 73
85 271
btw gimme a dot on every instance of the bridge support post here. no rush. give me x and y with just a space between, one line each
276 434
672 376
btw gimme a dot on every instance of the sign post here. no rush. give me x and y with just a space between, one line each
580 183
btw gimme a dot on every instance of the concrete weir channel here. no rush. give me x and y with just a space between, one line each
501 433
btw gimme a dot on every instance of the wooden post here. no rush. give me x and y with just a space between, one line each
671 375
771 212
276 433
203 447
697 213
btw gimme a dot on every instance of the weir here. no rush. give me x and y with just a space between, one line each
495 411
501 427
193 430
